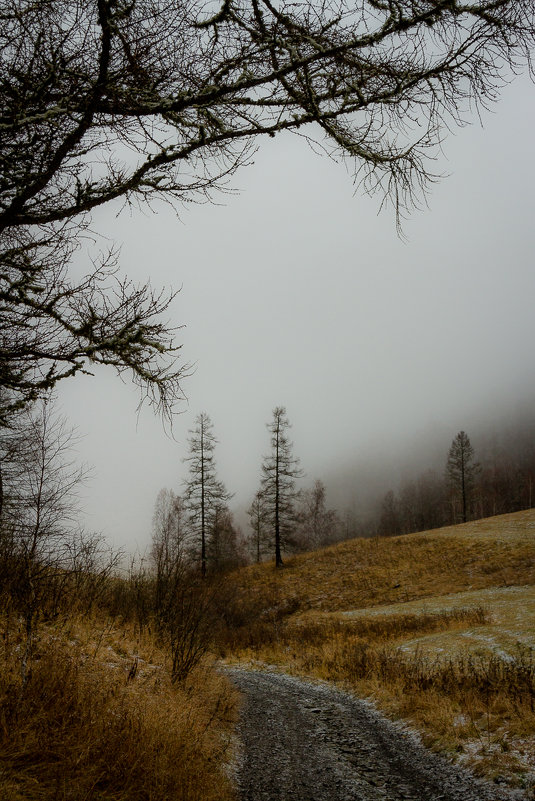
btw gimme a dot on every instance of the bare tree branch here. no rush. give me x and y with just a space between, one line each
107 99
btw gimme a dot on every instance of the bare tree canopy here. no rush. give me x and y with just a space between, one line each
52 327
107 99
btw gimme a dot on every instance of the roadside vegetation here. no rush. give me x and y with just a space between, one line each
99 718
107 687
436 628
95 713
108 682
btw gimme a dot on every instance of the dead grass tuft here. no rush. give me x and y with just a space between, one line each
383 627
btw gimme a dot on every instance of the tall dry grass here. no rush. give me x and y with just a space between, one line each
96 721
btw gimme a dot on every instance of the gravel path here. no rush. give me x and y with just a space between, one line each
306 741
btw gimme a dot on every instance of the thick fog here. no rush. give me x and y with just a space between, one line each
296 292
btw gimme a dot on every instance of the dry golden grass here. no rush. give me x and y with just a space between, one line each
498 551
437 628
99 720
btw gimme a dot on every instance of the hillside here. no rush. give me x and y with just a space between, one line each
497 551
437 628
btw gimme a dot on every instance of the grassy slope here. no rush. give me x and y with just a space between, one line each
436 627
495 552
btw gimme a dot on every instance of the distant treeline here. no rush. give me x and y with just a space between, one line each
501 479
494 475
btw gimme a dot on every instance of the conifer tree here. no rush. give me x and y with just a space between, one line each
204 495
279 471
462 471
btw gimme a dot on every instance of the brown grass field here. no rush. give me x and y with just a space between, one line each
437 628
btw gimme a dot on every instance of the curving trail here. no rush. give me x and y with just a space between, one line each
305 741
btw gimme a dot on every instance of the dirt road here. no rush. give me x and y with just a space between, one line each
305 741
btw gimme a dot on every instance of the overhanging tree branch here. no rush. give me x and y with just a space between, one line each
108 99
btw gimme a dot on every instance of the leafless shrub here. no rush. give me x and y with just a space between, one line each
250 620
49 567
189 625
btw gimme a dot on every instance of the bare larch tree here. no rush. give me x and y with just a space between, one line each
279 471
40 544
205 497
258 523
461 472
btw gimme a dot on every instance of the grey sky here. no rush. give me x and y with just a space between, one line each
296 293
